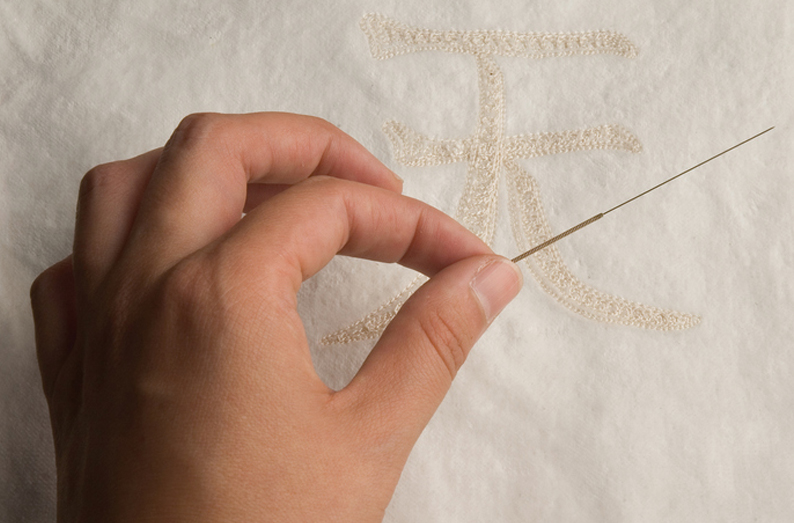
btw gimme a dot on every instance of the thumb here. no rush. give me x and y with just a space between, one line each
409 371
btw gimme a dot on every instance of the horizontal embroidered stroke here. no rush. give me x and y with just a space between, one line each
489 152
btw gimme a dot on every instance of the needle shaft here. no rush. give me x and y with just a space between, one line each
598 216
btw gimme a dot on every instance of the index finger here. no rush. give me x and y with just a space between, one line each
302 229
198 189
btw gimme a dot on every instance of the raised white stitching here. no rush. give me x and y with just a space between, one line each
489 152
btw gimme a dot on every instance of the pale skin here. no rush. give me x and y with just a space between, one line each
173 359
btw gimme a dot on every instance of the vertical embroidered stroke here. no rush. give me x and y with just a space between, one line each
489 152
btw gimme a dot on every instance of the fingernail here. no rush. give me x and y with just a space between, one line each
495 285
397 177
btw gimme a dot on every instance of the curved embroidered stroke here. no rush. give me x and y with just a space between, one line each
489 152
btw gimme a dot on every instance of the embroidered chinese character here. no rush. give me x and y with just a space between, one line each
490 152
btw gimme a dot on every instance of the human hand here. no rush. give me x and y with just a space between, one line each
173 359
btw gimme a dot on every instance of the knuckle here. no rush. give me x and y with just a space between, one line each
197 130
39 289
327 127
316 122
100 179
324 184
49 281
446 336
327 190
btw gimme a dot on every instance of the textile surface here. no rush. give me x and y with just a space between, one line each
559 414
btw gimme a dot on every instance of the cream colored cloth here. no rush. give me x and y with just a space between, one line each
555 416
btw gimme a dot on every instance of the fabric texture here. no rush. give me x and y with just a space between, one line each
562 412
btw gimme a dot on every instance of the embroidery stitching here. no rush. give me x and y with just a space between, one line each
489 152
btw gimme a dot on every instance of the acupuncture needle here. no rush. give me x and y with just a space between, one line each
600 215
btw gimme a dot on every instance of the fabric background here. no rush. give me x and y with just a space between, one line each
554 417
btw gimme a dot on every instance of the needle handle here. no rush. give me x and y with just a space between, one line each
558 237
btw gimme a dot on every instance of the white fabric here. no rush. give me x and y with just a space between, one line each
554 417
